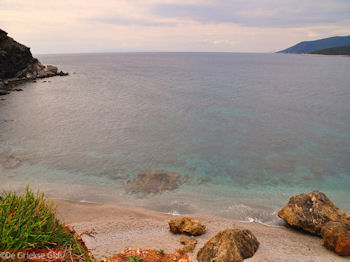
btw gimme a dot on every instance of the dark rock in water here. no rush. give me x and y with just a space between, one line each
18 89
3 92
17 63
311 212
61 73
336 237
189 244
230 245
186 225
151 181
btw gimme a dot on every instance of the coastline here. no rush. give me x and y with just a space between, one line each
325 55
109 229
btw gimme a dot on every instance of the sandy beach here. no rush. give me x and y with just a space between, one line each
115 228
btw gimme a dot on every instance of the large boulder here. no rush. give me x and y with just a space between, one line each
153 181
336 237
186 225
230 245
311 212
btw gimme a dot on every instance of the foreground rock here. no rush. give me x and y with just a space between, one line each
189 244
336 237
17 64
231 245
186 225
155 181
316 214
311 212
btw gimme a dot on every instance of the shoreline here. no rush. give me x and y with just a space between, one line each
109 229
325 55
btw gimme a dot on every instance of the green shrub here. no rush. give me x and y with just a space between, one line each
160 252
134 259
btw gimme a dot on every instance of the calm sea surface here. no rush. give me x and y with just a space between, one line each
250 130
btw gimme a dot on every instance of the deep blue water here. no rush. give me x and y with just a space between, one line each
261 126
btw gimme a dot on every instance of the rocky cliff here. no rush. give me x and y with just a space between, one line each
18 64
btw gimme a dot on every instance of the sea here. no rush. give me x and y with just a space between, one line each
250 130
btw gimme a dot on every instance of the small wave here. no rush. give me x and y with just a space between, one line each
271 223
173 213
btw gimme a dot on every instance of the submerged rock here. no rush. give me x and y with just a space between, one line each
3 92
203 180
311 212
336 237
9 162
186 225
153 181
230 245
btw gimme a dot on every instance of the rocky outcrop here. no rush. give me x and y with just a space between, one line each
17 64
14 57
311 212
153 181
186 225
315 213
230 245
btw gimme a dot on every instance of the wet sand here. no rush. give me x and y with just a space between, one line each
116 227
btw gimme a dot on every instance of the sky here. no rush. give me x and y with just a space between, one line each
77 26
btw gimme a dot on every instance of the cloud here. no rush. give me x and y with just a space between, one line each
129 21
51 26
260 13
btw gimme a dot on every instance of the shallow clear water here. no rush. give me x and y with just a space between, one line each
262 127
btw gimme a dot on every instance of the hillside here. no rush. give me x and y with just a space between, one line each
340 50
310 46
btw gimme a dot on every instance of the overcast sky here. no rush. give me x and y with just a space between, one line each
70 26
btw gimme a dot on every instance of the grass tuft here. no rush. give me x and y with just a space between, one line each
29 221
134 259
160 251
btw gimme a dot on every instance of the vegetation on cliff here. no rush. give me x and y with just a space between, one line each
340 50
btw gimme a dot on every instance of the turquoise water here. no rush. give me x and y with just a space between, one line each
258 127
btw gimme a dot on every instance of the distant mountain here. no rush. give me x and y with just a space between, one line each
339 50
310 46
